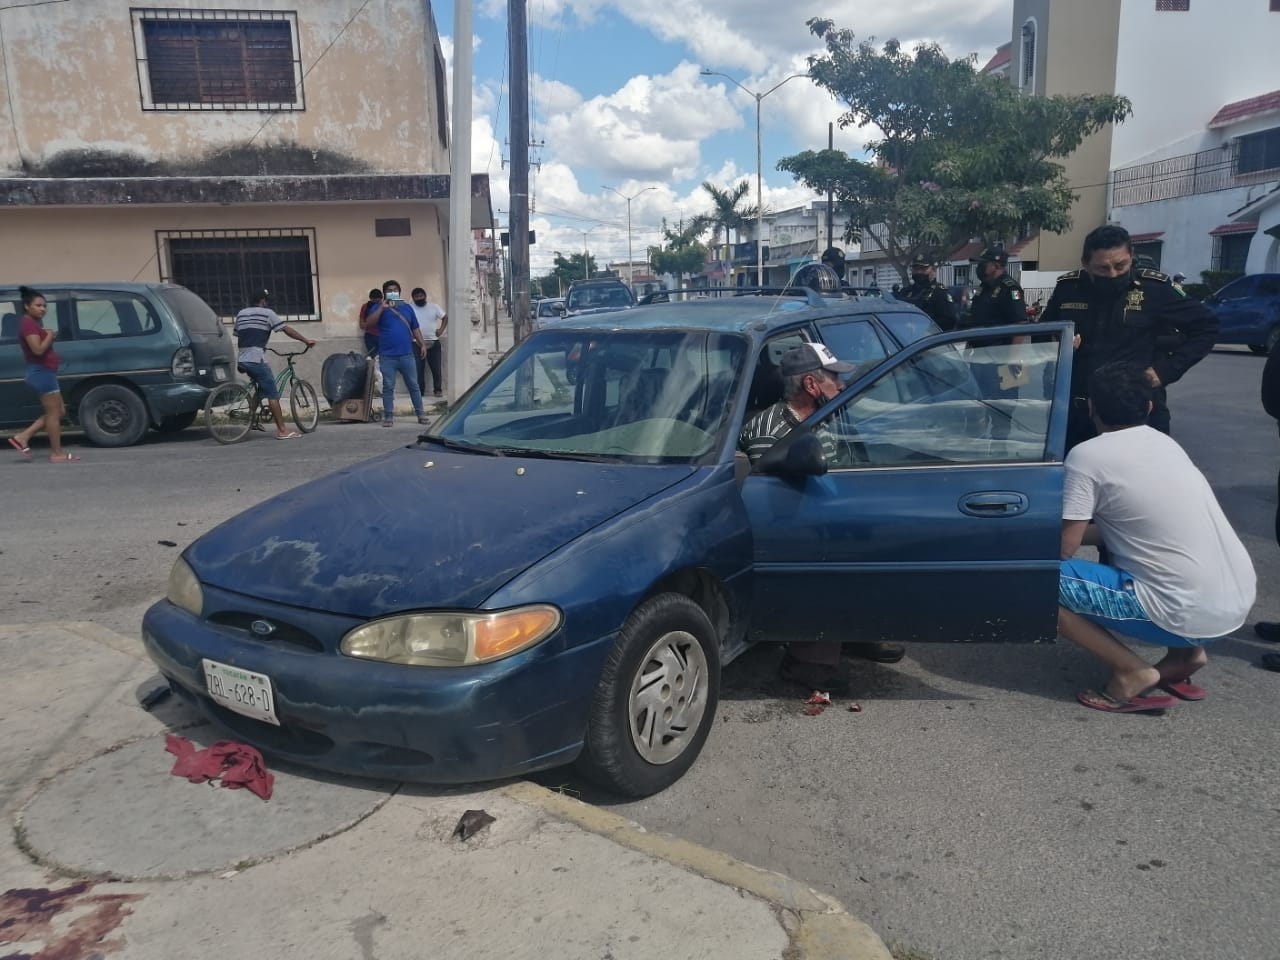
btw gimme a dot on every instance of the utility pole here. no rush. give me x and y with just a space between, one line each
831 212
518 215
457 347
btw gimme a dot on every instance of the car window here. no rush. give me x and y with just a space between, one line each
1269 286
114 314
987 402
853 341
198 316
645 395
11 315
766 378
907 327
1238 289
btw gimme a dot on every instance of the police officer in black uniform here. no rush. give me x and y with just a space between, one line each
1126 312
930 296
999 301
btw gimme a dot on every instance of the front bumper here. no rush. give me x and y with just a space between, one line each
432 725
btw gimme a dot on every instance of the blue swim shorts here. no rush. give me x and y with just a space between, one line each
41 379
1105 595
264 377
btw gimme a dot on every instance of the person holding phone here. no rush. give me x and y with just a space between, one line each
399 341
42 377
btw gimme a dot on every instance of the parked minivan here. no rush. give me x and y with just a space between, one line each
134 356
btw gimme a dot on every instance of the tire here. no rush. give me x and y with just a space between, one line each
656 699
1273 337
304 405
112 415
177 422
227 412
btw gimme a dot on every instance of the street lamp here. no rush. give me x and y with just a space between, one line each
759 176
631 266
586 255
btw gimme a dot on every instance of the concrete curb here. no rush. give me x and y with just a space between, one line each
818 925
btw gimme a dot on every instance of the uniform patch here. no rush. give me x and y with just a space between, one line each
1073 306
1015 294
1135 300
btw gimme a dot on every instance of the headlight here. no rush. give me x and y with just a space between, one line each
451 639
184 589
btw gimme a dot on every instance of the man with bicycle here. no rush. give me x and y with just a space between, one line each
253 328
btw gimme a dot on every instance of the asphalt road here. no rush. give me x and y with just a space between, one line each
971 810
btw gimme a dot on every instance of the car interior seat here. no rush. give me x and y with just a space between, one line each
9 328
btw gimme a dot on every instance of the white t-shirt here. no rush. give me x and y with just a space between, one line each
428 319
1160 520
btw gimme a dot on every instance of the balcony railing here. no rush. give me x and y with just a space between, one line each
1192 173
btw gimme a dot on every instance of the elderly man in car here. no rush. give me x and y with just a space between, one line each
810 377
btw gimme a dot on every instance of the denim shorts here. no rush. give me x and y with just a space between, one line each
42 380
1105 595
264 377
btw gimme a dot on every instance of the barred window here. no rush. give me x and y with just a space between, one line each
225 267
1259 151
218 59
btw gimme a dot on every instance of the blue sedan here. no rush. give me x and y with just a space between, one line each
598 549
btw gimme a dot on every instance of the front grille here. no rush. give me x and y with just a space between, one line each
284 633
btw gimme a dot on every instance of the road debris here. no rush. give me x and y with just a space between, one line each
855 708
472 822
166 543
818 696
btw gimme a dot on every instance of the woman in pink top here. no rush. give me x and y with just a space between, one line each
42 377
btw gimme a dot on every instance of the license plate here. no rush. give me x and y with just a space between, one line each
243 691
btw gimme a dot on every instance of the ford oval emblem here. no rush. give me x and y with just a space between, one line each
263 628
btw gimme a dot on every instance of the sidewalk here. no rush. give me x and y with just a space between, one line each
112 857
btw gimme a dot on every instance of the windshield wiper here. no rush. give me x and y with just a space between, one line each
459 445
555 455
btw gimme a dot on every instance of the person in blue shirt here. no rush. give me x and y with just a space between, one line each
399 342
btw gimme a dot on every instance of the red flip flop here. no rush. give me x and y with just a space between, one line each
1138 704
17 445
1183 689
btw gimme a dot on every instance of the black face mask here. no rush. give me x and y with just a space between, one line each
920 279
1111 288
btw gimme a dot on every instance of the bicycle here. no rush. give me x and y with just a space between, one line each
235 408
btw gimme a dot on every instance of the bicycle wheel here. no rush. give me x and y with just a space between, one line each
228 412
304 405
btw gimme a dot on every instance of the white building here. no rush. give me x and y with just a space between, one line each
1185 173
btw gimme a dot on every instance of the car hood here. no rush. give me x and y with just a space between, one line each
416 528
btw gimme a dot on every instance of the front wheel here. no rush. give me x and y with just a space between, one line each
228 412
1273 337
304 405
112 415
656 699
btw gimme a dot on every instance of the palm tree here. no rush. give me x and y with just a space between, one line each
727 210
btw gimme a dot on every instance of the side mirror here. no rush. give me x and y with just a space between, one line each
794 456
562 311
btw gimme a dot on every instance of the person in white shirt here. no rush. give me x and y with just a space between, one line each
434 322
1180 577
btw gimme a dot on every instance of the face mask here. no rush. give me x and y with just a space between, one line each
1110 288
393 296
920 279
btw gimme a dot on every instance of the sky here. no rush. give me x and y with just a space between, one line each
618 100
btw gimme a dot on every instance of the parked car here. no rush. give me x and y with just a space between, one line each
601 295
546 311
609 549
134 356
1248 311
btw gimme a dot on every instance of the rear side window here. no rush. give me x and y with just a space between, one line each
1269 287
113 314
907 327
11 315
194 313
854 341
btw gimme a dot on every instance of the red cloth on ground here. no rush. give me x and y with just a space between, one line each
232 764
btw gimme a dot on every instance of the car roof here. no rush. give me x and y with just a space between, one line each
747 314
128 286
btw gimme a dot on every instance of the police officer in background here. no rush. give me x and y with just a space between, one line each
930 296
999 301
1126 312
833 257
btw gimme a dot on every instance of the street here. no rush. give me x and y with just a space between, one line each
971 810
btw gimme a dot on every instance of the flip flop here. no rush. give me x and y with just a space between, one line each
291 435
1137 704
65 458
17 445
1183 689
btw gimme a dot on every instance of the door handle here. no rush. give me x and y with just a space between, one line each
995 503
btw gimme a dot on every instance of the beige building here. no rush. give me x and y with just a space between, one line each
301 148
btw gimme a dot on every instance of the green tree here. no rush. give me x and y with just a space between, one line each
682 253
729 212
960 154
577 266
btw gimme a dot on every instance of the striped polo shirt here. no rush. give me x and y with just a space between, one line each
773 423
253 328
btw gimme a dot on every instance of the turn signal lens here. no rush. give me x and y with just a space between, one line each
451 639
184 589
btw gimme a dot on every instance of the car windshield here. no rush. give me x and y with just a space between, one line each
596 297
652 396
